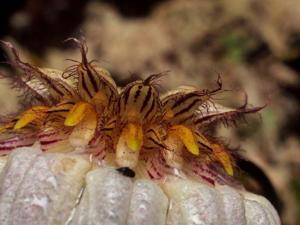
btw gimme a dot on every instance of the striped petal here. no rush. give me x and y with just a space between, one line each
186 136
62 109
35 113
139 101
215 114
91 78
180 105
46 85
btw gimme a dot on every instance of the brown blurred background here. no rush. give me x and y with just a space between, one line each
253 44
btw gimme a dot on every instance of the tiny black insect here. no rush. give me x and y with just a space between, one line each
126 171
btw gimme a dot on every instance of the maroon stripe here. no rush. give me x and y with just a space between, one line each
13 147
150 110
156 143
126 96
137 93
147 98
50 142
182 99
193 103
202 119
85 86
16 139
150 175
46 135
52 85
92 79
186 119
208 179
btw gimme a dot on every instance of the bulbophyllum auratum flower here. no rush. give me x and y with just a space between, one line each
182 139
45 88
93 116
179 114
75 104
139 109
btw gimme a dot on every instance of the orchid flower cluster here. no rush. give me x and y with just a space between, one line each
82 109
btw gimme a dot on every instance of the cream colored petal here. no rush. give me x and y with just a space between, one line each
31 204
197 203
270 210
70 171
175 214
234 210
11 177
148 204
80 216
3 161
46 186
255 213
109 197
49 190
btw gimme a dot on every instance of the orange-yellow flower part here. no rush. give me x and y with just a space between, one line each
134 136
6 126
77 113
36 112
186 136
223 157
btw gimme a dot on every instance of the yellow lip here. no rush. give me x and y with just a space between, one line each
186 136
36 112
134 136
223 157
77 113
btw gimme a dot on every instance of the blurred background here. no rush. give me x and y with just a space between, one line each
253 44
